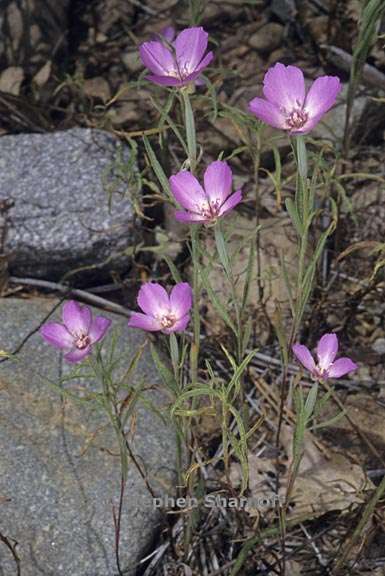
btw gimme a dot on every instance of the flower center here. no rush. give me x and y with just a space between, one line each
210 209
178 71
321 373
82 341
297 118
168 321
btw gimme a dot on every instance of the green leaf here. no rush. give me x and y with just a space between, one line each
292 210
311 401
165 373
190 130
301 154
222 250
215 301
173 269
159 172
174 350
195 393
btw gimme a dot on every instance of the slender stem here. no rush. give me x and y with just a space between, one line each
117 524
256 156
225 441
359 530
190 130
303 211
228 269
196 295
181 434
302 203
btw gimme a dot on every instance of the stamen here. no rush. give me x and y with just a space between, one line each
168 321
82 341
297 118
209 210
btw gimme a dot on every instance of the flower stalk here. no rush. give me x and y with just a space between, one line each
190 129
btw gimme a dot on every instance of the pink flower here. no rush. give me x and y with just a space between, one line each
163 312
286 104
179 62
78 332
210 203
326 352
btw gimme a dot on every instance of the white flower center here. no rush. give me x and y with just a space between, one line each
180 71
82 341
167 320
209 209
321 372
297 118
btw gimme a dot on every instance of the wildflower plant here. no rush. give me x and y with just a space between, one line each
205 205
78 332
176 62
327 366
202 194
163 312
287 106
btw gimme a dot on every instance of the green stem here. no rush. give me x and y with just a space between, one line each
359 530
190 130
196 295
226 264
304 213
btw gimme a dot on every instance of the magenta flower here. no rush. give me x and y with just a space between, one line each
163 312
210 203
286 104
176 62
326 352
78 332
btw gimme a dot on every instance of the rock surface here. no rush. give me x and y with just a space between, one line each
58 479
267 38
332 125
60 185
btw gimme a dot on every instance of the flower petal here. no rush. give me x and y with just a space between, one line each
303 354
179 326
165 80
231 202
157 58
321 97
190 217
327 350
204 62
268 113
284 86
190 46
99 327
341 367
167 33
77 355
76 318
153 299
144 322
57 335
181 299
218 179
187 191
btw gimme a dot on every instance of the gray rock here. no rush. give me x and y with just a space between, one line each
332 125
286 10
59 462
60 184
379 346
267 38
